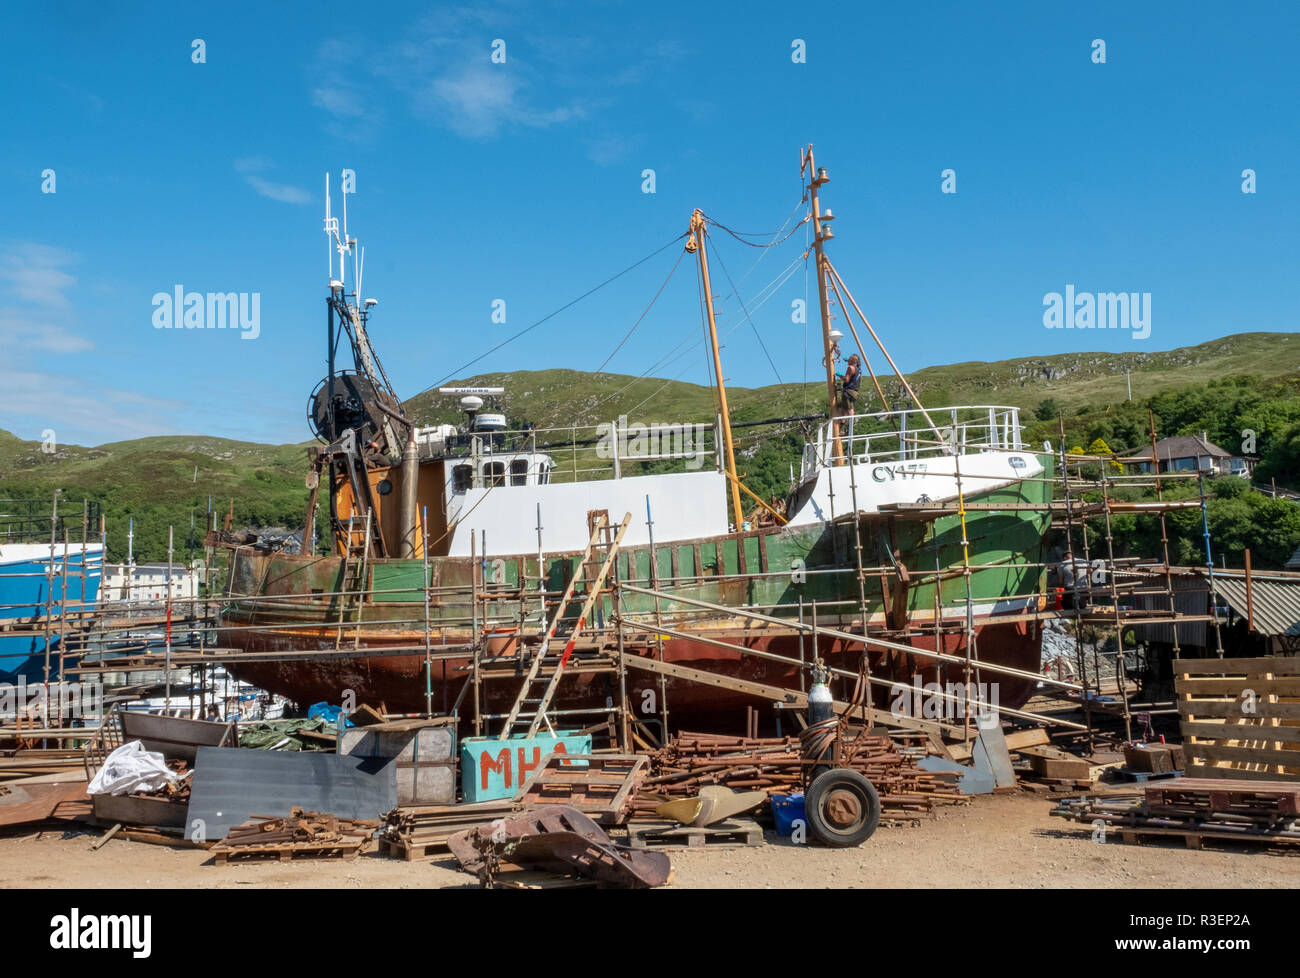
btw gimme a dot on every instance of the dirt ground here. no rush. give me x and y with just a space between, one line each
1004 840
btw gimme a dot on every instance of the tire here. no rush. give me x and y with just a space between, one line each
842 808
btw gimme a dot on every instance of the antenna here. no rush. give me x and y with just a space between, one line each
330 224
341 244
332 233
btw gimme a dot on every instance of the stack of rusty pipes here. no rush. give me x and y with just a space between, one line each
775 765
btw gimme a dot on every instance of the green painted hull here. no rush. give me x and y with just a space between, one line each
770 569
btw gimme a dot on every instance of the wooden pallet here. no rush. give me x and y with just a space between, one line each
1195 838
1240 718
670 835
347 850
411 850
1267 799
599 785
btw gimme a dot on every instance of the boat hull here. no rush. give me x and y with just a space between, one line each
30 583
284 604
401 682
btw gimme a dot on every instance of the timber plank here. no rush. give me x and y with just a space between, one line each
1277 665
1240 731
1196 685
1247 755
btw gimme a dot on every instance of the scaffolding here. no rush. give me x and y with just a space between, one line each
488 637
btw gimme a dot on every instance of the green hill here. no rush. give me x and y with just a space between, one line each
1225 385
563 397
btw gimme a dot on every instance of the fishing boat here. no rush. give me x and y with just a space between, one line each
906 530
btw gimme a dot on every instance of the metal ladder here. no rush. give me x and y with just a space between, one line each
603 536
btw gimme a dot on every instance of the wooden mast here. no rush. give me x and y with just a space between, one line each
696 242
815 179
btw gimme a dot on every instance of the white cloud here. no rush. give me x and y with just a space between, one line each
339 100
36 274
282 192
23 330
81 413
250 166
442 64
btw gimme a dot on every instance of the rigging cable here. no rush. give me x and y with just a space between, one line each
553 314
782 277
672 355
748 318
738 235
671 272
765 248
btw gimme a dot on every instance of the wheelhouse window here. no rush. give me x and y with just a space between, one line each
519 472
494 474
462 478
543 473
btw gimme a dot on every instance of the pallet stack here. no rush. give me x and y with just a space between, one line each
774 765
301 834
1240 718
413 833
1196 809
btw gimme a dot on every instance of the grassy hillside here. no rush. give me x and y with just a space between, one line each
161 482
562 397
1246 380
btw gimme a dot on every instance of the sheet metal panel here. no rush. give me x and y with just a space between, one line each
232 783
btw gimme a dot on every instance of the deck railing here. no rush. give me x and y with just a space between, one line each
908 435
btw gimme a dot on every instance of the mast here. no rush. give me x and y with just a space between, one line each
696 242
815 179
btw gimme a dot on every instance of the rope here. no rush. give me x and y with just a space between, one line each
772 244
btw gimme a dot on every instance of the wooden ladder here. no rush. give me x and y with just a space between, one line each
600 539
353 579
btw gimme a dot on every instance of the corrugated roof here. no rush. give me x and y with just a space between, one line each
1275 601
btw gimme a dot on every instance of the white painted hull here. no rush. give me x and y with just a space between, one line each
933 478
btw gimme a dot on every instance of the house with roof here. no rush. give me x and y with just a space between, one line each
1190 453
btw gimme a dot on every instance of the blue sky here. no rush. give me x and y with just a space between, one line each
522 181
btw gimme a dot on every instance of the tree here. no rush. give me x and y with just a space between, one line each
1047 410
